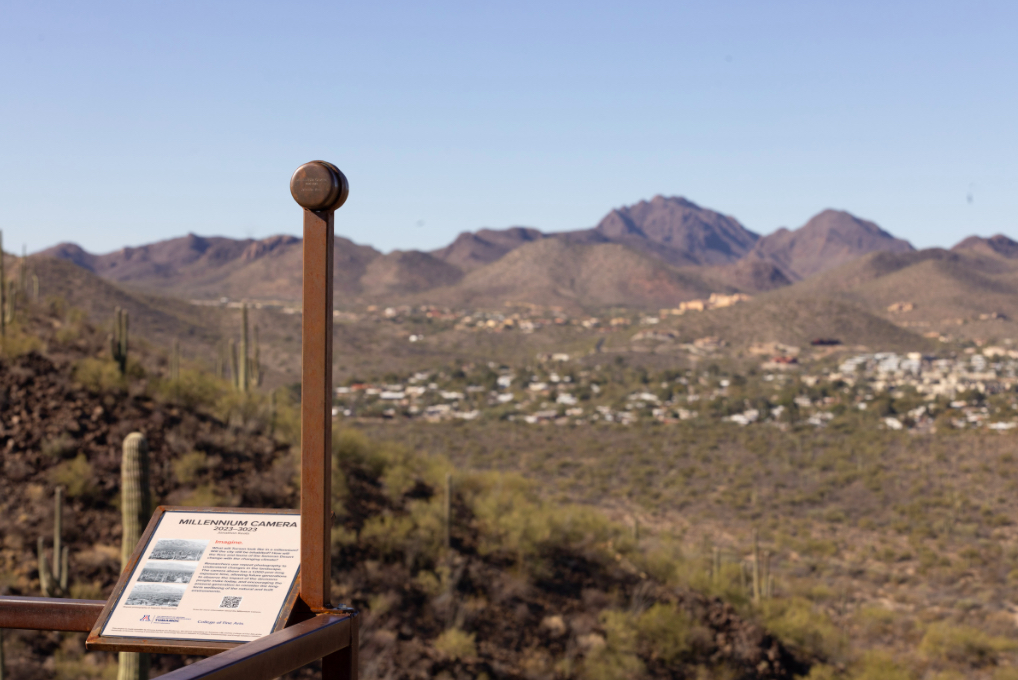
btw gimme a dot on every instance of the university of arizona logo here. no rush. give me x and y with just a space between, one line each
146 618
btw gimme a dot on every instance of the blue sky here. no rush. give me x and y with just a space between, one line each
125 123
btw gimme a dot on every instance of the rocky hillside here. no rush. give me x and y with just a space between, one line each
526 589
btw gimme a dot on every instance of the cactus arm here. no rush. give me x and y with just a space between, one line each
65 559
243 348
44 575
58 533
234 368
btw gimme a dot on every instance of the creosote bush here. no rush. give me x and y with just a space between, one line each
99 375
456 644
963 644
75 475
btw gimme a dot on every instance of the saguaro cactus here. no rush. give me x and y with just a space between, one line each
136 496
12 302
53 582
118 341
175 362
23 271
272 413
448 509
256 362
756 567
136 507
234 367
244 379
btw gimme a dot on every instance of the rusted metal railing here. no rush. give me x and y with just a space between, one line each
326 633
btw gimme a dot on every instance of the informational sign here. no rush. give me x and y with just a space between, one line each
215 574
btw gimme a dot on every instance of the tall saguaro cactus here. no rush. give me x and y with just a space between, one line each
136 507
118 341
256 362
53 582
175 362
136 495
234 366
756 567
244 380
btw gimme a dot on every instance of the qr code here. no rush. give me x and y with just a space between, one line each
230 602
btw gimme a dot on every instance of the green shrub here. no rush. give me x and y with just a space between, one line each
963 644
456 644
195 389
60 446
803 626
667 633
416 537
205 495
75 475
99 375
617 657
879 666
188 467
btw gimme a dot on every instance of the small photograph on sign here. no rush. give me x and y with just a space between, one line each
167 571
156 594
178 549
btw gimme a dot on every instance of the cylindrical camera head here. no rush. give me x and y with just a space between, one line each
319 186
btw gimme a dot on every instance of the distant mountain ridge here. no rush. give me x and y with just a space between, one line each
656 252
829 239
679 231
999 245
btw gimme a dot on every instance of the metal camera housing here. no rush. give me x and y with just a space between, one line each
319 186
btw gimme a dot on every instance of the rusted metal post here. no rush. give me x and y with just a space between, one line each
319 188
332 635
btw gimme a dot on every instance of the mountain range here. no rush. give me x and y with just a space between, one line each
652 253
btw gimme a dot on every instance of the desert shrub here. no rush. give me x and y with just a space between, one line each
70 663
17 342
963 644
87 591
417 537
188 467
205 495
616 657
875 621
75 475
667 633
512 520
878 666
456 644
803 626
60 446
195 389
99 375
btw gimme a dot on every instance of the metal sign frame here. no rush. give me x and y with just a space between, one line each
315 629
111 643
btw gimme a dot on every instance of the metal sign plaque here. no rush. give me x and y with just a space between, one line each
206 578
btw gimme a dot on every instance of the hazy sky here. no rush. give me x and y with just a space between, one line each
125 123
